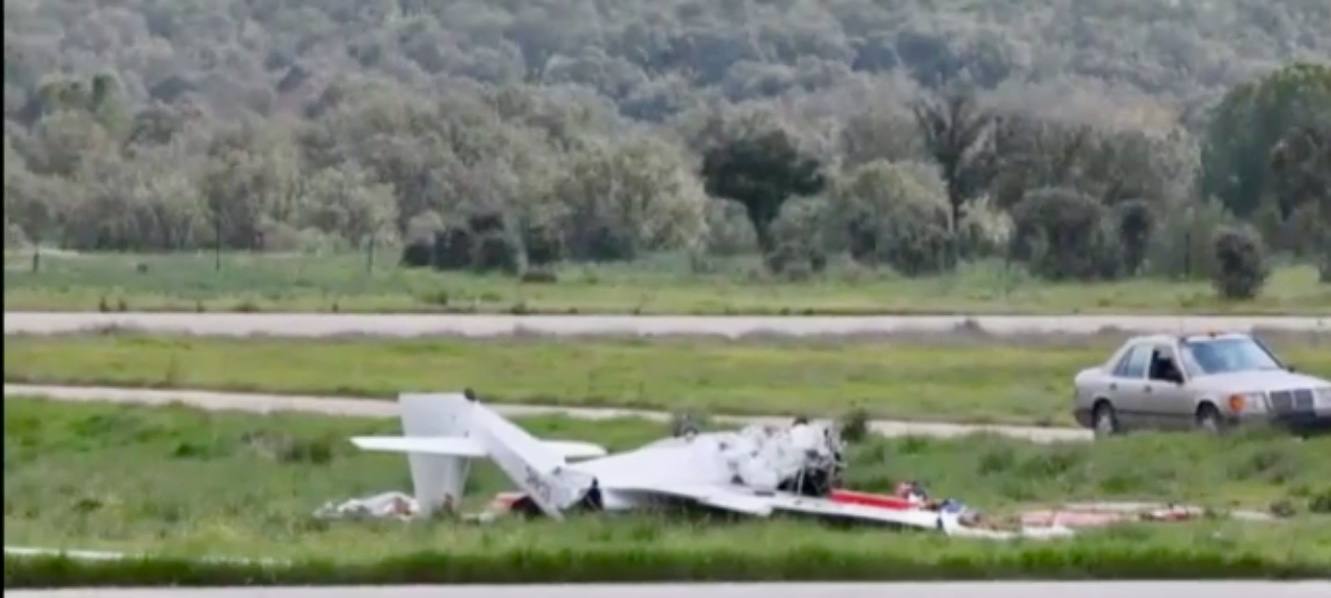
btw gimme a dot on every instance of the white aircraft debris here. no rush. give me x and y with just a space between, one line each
758 470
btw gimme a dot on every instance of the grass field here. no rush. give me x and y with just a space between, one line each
658 284
961 380
187 483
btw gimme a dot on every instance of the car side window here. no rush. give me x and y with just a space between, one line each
1164 365
1134 362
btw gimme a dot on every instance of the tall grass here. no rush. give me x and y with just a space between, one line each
657 284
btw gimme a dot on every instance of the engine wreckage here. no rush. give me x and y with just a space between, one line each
757 471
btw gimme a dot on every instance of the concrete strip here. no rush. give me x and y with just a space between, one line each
476 326
1022 589
368 407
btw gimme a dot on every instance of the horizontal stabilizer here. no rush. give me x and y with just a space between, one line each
459 446
452 446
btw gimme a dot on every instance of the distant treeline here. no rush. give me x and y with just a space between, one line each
1087 138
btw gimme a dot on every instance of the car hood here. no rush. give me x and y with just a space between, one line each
1258 380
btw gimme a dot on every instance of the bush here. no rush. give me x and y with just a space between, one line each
1181 246
1135 223
798 241
1241 267
893 213
418 253
496 251
915 240
985 230
1061 234
729 231
1320 502
452 248
542 244
855 425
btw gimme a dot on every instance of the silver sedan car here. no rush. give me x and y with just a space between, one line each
1209 381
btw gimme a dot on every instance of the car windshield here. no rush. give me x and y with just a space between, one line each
1228 355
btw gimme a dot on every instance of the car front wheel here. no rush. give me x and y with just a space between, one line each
1105 420
1209 420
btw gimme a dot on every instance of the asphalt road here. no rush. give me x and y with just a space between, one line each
1227 589
363 407
318 324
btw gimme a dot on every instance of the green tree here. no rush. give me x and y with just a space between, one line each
760 170
1062 234
1241 262
957 132
1250 123
887 213
619 200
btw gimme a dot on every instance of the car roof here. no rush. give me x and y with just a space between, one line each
1191 338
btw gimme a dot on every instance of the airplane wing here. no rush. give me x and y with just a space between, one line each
574 450
745 501
725 498
459 446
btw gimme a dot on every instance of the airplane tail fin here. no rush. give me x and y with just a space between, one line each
443 432
437 477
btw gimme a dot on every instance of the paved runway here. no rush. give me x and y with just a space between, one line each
1227 589
266 403
317 324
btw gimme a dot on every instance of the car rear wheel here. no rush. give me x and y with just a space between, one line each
1209 419
1105 420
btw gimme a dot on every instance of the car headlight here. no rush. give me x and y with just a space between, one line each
1247 402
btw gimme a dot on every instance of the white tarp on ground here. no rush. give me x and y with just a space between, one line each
396 505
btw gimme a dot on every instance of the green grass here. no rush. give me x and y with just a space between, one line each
956 380
658 284
184 483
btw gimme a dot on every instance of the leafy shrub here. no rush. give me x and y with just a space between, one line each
915 240
729 231
1320 502
418 253
1135 222
542 244
452 248
855 425
1241 267
895 214
683 423
496 251
984 230
1181 246
798 241
1061 233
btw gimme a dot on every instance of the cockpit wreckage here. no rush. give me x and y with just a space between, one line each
757 471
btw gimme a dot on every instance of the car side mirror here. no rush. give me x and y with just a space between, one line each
1291 368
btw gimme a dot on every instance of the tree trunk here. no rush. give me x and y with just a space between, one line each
369 255
217 255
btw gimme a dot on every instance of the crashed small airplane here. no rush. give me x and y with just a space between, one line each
757 471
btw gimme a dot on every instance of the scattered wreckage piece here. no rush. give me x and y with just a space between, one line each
759 470
379 506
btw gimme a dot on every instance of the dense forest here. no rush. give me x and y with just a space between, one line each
1086 138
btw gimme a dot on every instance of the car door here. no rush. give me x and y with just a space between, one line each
1166 402
1127 389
